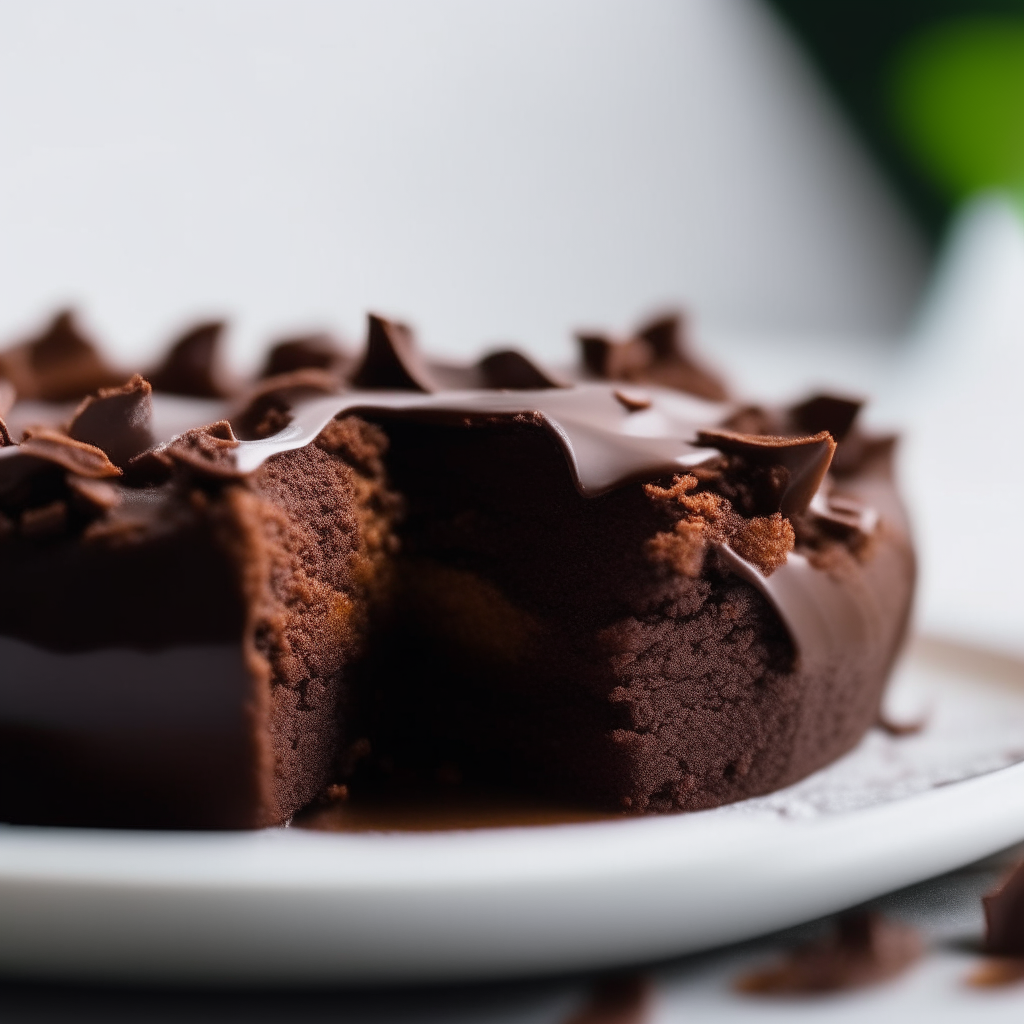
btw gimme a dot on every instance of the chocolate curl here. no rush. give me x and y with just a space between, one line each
118 420
805 460
58 365
1004 916
513 371
191 367
75 456
308 352
391 361
656 354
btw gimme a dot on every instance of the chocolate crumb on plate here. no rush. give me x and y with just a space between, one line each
863 949
615 999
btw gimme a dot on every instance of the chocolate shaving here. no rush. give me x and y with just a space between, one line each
118 420
826 412
308 352
513 371
864 949
75 456
656 354
391 360
805 460
58 365
1004 915
191 366
5 436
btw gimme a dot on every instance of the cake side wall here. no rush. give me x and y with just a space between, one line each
540 646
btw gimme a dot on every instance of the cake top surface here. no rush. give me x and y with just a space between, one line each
640 409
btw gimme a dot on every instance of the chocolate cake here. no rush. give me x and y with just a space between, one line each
628 591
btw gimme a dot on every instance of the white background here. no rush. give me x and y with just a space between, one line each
493 171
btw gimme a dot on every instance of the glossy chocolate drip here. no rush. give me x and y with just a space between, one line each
191 366
609 435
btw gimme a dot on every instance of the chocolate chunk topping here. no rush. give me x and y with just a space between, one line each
118 420
191 366
391 360
865 949
310 352
5 435
514 371
1004 916
804 459
656 354
59 365
826 412
75 456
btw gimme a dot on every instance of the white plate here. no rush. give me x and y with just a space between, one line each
292 905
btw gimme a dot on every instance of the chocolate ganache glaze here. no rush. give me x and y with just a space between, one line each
609 438
797 503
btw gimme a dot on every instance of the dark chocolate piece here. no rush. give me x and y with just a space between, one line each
656 354
307 352
512 370
391 360
826 412
865 949
191 366
1004 916
805 461
118 420
61 364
